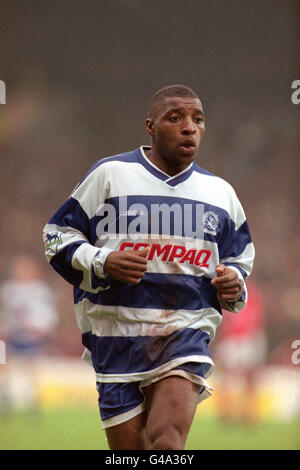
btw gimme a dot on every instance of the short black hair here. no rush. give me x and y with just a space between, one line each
170 91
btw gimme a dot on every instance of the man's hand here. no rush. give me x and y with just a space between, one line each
127 266
228 285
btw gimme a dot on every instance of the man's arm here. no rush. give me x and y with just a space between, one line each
69 251
236 252
69 239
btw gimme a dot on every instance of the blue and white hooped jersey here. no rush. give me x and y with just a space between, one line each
191 222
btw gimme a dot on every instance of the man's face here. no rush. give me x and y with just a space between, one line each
176 128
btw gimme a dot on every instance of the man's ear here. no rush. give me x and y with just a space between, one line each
150 127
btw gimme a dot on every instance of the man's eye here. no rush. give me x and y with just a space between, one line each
199 120
174 118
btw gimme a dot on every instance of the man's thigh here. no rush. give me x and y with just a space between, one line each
129 435
170 405
121 408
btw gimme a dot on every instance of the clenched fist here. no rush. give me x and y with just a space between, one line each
127 266
229 286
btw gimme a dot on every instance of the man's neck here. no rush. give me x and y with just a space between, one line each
162 165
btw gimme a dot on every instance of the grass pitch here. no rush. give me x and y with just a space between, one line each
80 429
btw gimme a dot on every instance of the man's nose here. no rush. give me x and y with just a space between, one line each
189 126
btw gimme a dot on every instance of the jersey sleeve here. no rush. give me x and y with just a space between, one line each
236 249
68 238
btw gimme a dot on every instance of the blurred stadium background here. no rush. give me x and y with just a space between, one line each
79 75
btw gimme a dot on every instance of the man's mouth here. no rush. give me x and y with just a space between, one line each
188 143
188 146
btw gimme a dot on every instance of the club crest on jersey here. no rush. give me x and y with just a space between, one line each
52 240
210 222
